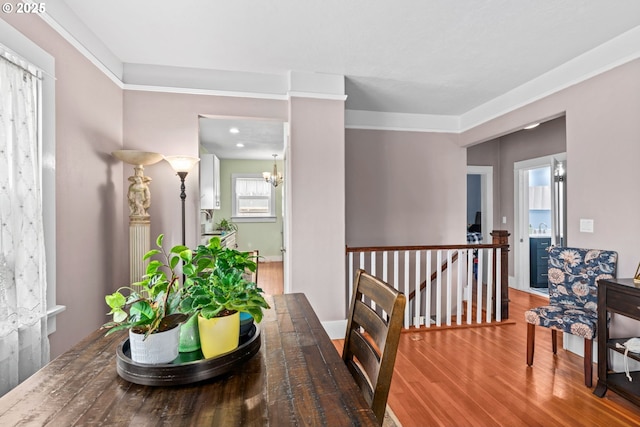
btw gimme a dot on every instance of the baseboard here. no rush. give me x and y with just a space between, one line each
271 258
335 328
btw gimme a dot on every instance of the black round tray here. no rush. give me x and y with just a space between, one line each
187 367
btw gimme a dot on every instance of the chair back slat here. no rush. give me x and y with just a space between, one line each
372 324
371 340
366 364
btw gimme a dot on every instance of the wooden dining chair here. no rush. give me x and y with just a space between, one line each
372 336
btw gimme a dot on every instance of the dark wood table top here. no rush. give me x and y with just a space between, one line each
297 378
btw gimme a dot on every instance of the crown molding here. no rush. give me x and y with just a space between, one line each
63 21
316 95
614 53
378 120
208 92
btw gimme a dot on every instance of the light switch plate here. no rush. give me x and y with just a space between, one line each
586 225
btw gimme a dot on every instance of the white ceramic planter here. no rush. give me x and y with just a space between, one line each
160 347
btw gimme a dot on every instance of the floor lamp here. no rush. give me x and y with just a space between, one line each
182 165
139 198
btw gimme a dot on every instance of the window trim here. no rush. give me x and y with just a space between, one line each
272 217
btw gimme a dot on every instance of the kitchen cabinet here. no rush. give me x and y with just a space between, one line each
538 261
209 181
622 297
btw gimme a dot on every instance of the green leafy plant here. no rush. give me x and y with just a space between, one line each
226 225
155 306
217 285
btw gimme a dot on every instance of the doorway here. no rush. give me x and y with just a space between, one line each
480 200
479 209
248 148
540 218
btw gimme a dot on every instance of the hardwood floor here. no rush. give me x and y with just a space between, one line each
479 376
270 277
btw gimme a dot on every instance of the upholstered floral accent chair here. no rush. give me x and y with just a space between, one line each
573 299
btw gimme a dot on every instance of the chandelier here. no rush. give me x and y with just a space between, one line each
274 178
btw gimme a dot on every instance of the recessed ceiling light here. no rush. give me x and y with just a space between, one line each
234 130
532 125
239 145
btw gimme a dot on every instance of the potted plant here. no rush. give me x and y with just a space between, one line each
218 293
226 226
150 310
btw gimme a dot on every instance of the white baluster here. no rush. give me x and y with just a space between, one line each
449 290
406 286
416 313
427 289
479 286
439 288
498 285
373 273
351 273
459 289
469 286
489 284
396 268
385 266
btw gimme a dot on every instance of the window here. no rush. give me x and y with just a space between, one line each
26 162
253 199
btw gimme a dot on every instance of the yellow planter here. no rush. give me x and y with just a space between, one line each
219 335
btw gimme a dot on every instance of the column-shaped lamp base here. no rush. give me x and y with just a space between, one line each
139 238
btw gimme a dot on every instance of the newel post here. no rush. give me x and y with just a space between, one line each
501 237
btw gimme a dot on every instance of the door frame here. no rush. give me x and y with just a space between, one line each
486 209
286 212
521 220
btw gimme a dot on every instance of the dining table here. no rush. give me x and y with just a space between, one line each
295 378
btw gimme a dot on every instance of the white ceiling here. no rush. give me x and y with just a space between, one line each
432 57
260 139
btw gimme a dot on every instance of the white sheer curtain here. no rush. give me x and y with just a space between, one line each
24 345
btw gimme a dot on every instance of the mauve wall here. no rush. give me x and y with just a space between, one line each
404 188
90 247
168 124
501 153
603 148
317 199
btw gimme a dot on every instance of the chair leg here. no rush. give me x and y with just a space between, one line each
531 338
554 341
588 362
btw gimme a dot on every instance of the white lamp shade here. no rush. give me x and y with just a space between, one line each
181 163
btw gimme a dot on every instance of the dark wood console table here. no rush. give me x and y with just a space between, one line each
297 378
622 297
